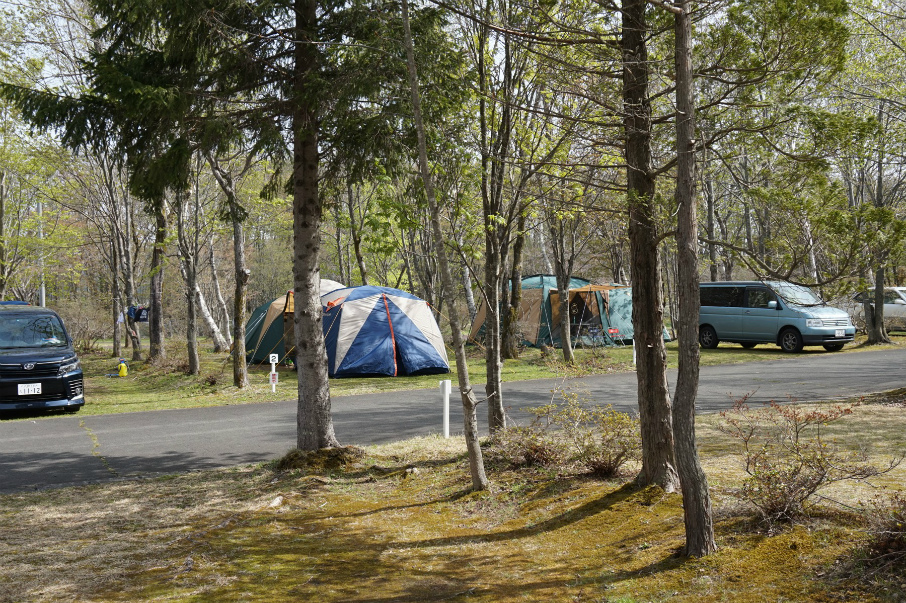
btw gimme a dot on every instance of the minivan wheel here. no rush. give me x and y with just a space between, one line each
791 341
833 347
707 337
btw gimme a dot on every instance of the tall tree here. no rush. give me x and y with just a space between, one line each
658 464
469 402
696 497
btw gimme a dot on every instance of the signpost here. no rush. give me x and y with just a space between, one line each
273 376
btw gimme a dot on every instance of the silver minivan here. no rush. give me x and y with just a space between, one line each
753 312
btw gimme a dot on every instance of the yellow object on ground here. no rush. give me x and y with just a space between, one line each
124 370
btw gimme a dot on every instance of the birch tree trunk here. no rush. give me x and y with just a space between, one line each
469 403
240 293
221 303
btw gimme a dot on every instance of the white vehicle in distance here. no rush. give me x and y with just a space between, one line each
894 308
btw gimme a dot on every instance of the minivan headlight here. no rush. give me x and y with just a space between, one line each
70 365
814 322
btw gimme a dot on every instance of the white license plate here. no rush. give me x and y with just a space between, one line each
840 333
27 389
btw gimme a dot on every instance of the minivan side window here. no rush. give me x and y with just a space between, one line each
726 297
759 298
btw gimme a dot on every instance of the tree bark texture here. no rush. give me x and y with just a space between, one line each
313 417
189 269
156 350
469 403
218 293
563 272
356 234
658 465
697 514
510 336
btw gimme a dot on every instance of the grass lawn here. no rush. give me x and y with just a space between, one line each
400 525
155 387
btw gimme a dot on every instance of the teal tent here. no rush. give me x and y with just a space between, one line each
599 314
270 324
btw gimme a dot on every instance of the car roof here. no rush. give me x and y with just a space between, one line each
25 310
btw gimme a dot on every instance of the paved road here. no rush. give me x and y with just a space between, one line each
70 450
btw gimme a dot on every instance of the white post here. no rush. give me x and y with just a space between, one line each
445 388
273 376
633 350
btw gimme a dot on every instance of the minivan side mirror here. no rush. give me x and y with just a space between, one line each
772 305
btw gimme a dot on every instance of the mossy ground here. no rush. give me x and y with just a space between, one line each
399 524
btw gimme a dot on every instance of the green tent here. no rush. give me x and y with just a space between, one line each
271 324
264 330
599 314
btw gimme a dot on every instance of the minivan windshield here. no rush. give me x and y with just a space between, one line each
797 294
31 331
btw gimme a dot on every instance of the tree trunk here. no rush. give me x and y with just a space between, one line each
237 214
563 273
356 234
493 166
467 285
125 242
220 342
875 328
510 338
712 248
313 417
697 515
218 292
191 284
240 293
3 194
118 310
469 403
156 350
647 306
874 320
189 270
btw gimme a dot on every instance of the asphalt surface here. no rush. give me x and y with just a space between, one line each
40 452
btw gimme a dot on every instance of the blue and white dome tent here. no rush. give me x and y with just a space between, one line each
381 331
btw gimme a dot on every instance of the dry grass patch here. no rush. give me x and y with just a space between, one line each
399 524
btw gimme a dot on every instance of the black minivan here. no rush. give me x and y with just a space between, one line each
39 368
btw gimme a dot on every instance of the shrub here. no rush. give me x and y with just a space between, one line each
86 324
530 446
886 548
599 438
596 439
788 458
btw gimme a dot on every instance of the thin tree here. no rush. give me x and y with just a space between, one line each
694 483
469 402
